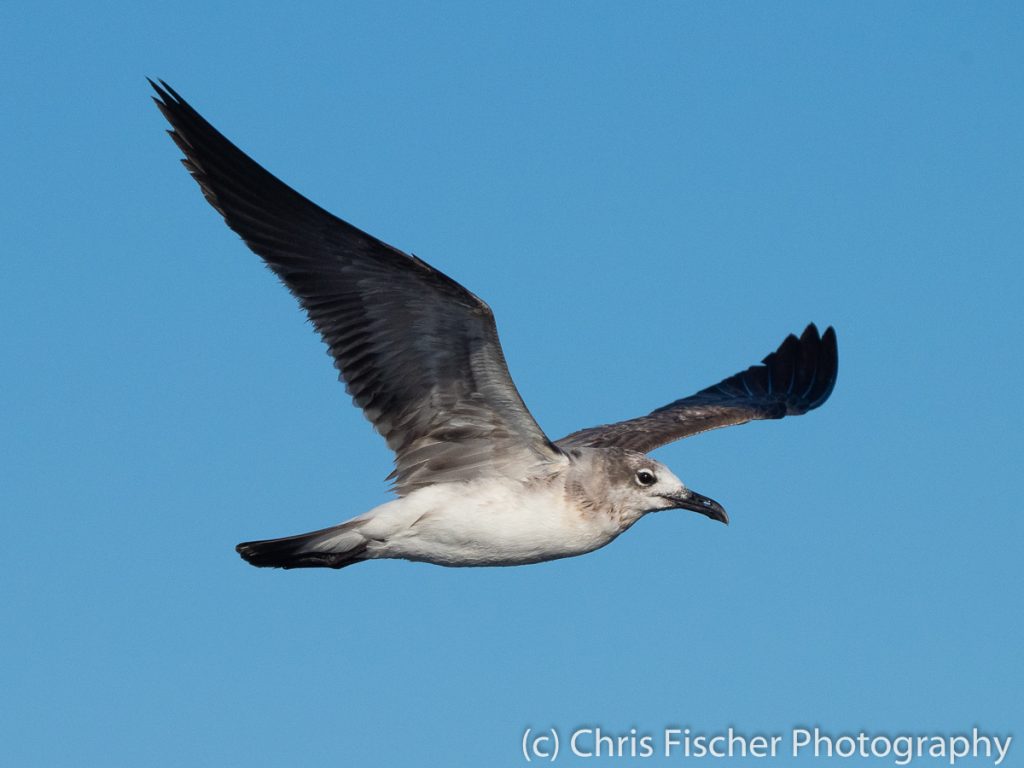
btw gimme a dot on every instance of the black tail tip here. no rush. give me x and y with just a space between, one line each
287 553
255 553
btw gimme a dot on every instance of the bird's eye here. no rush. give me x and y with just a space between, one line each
644 477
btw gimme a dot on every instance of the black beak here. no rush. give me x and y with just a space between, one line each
697 503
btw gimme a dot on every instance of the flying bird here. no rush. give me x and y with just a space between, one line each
478 483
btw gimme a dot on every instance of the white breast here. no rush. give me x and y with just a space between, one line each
486 523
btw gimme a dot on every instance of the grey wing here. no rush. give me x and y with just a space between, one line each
417 351
794 379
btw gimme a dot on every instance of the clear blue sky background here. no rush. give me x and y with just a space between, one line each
651 196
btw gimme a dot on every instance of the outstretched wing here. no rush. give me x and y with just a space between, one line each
794 379
418 352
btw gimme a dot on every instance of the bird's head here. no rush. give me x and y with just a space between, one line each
645 485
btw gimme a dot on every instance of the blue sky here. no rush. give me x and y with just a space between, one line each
650 197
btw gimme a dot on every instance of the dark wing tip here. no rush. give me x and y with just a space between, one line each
796 378
828 366
165 95
163 90
809 365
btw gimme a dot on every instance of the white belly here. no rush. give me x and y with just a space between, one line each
484 524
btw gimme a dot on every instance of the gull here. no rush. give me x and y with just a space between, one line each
478 483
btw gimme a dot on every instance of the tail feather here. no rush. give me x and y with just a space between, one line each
327 548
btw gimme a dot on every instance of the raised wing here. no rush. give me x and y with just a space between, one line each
794 379
418 352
